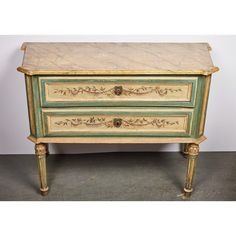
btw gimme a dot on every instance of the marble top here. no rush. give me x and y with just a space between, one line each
116 58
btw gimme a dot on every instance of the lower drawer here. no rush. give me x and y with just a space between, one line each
105 122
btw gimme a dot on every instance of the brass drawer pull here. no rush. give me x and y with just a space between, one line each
117 122
118 90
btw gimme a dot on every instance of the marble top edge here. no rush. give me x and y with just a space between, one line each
25 44
117 58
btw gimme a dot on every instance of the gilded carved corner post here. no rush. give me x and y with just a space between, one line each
192 151
41 151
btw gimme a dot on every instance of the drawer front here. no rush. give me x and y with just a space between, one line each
118 91
117 122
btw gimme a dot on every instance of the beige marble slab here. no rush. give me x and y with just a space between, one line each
116 58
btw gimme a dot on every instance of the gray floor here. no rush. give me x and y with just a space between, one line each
118 176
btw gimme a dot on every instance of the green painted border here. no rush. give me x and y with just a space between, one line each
27 82
37 107
191 103
198 107
207 99
120 134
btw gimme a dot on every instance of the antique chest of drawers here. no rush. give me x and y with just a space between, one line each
117 93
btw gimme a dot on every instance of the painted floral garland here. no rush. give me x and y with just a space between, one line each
110 92
132 122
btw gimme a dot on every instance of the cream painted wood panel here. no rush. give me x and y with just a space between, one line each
85 90
128 91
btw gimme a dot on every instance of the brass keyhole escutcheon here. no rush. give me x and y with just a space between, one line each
117 122
118 90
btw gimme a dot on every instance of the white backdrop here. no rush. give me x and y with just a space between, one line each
221 116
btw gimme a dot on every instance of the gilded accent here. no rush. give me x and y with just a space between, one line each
113 91
116 140
44 189
40 149
188 190
193 149
117 72
109 123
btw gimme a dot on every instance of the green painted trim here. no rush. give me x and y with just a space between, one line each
28 81
79 112
120 134
207 99
112 134
37 107
198 107
117 103
175 109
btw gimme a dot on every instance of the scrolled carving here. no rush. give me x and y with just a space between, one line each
193 149
40 149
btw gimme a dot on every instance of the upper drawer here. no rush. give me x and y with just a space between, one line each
118 91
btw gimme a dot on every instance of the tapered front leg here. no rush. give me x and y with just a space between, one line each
192 152
41 151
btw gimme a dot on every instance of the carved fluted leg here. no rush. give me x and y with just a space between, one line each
41 152
192 155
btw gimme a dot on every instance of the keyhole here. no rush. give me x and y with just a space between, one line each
117 122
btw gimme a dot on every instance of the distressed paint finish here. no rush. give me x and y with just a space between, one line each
134 122
41 151
204 105
198 106
117 140
197 100
192 155
100 91
117 93
37 106
31 111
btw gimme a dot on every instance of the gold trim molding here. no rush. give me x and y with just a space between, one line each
193 149
117 72
40 149
115 140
